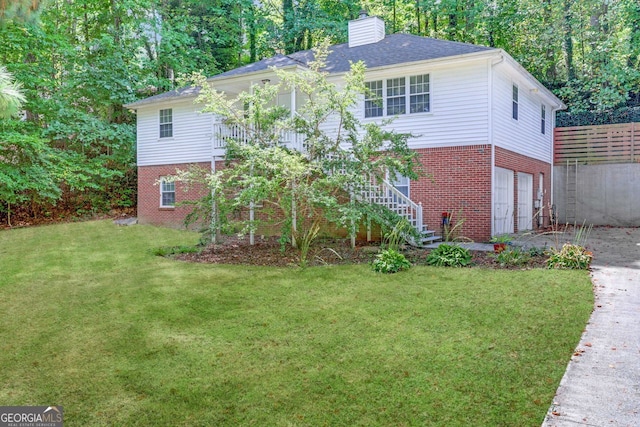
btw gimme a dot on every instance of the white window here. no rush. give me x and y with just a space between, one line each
373 99
419 91
514 104
167 193
402 184
166 123
396 97
390 97
543 119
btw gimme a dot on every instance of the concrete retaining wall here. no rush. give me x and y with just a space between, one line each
606 194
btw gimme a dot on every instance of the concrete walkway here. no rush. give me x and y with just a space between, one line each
601 387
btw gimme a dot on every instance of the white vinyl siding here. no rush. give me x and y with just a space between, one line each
457 105
191 141
365 30
521 136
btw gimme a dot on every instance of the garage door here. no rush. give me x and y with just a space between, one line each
503 202
525 201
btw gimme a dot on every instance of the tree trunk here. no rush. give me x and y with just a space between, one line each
547 20
568 40
288 22
418 17
634 25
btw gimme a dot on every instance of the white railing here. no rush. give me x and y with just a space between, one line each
385 194
223 133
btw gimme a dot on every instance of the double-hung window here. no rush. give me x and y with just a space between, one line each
167 193
396 97
543 119
166 123
401 95
401 183
373 99
514 103
419 93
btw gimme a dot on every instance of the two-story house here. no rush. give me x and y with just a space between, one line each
483 128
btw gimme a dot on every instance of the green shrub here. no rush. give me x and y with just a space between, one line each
536 251
449 256
512 257
390 261
175 250
572 257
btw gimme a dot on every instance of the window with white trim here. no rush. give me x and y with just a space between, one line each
396 97
166 123
401 183
167 193
514 103
543 119
390 97
373 99
419 94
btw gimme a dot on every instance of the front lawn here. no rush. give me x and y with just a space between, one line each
93 321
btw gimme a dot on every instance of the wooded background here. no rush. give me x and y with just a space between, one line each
78 61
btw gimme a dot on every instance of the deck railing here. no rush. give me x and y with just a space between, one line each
222 134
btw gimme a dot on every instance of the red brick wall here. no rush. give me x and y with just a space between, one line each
458 181
518 163
149 210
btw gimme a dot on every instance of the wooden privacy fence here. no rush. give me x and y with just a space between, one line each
597 144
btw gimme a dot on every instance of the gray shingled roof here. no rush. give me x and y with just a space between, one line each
394 49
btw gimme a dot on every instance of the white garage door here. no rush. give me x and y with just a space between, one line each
525 201
503 202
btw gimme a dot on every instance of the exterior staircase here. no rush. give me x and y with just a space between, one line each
381 192
385 194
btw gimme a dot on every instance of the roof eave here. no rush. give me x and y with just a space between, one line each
434 61
557 102
253 74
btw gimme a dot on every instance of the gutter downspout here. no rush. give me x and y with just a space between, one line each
491 141
553 143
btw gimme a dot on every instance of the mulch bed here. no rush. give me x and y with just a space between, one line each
269 252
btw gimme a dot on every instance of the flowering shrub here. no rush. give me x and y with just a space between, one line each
573 257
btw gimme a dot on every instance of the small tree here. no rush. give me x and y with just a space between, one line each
322 179
11 96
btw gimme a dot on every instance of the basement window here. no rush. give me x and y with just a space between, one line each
167 193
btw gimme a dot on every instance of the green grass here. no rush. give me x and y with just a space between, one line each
92 320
